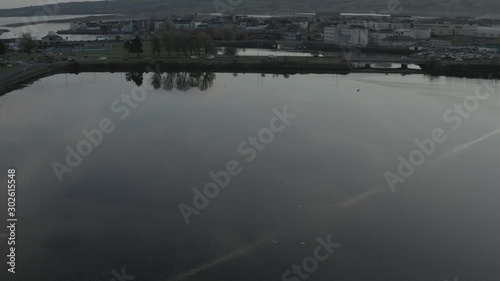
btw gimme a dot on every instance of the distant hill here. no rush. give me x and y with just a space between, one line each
168 7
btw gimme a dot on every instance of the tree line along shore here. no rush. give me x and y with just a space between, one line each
280 65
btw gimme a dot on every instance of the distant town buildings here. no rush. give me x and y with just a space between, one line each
358 30
401 32
182 24
52 40
113 27
398 42
462 30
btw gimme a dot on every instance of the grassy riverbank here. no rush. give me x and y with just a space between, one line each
220 64
279 65
15 78
469 69
5 70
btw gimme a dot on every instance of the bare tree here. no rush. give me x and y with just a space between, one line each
229 34
230 51
166 34
156 45
27 44
186 43
3 48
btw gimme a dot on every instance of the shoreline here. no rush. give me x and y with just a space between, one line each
67 20
26 75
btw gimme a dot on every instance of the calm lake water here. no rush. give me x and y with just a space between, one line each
321 174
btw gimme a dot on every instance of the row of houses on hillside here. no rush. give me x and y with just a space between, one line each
193 22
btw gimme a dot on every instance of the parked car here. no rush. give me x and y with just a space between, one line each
194 57
271 56
102 59
211 57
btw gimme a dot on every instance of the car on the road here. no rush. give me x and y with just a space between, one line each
211 57
271 56
194 57
102 59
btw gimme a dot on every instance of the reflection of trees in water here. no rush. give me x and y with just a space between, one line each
278 75
206 81
137 77
168 81
183 81
156 80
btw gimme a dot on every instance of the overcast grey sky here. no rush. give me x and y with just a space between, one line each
6 4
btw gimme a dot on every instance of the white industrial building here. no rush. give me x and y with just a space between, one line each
461 30
184 24
330 34
488 32
398 42
346 36
362 37
416 33
376 36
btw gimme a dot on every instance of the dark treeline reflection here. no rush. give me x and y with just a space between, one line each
137 77
182 81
